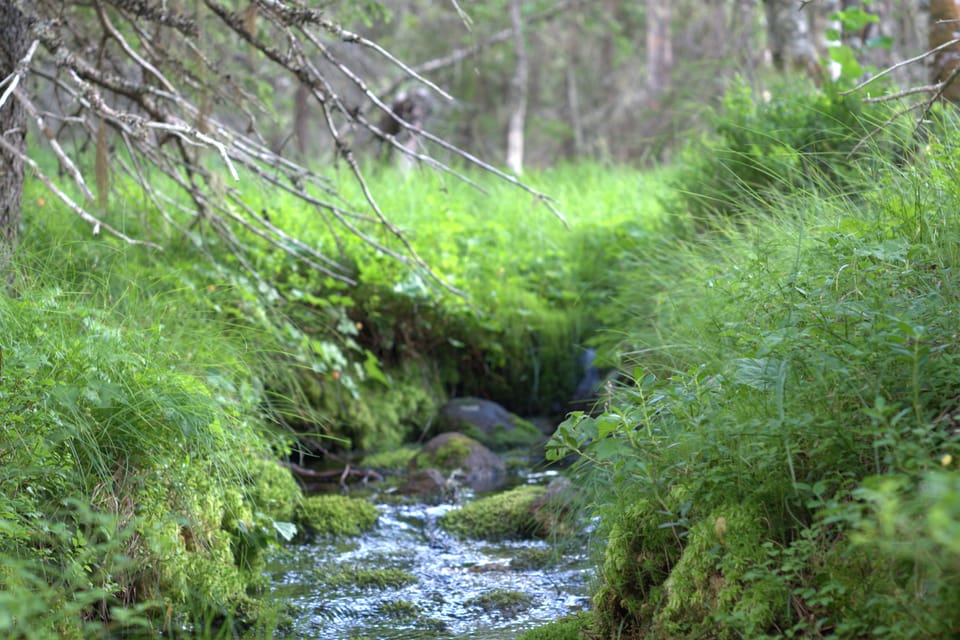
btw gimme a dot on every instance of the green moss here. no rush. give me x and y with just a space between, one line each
522 434
451 455
391 459
505 515
637 560
399 609
709 589
374 416
336 515
568 628
504 602
272 489
531 559
364 577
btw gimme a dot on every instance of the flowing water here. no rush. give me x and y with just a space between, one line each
455 581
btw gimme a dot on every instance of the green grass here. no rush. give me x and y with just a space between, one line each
784 431
125 406
781 433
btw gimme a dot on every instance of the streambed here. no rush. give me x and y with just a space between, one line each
454 588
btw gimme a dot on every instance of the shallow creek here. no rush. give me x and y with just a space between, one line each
454 581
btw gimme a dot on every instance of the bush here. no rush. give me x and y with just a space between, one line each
797 139
800 364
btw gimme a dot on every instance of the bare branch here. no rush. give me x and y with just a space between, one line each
14 78
83 213
900 64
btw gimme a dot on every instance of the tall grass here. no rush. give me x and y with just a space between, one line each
782 459
131 434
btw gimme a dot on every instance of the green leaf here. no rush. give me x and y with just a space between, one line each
845 57
763 374
286 530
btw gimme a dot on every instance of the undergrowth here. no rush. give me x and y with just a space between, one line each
139 487
780 460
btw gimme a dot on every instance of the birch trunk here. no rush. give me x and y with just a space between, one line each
518 92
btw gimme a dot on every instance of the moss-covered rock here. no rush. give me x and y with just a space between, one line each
482 469
505 603
502 516
709 591
488 423
336 515
639 554
364 577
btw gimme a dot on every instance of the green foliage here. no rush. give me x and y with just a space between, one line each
336 515
124 413
796 138
794 374
505 515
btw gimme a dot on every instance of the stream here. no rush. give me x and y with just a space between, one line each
449 588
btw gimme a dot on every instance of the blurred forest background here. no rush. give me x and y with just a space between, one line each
611 81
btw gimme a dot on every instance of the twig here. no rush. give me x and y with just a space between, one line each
97 224
14 78
902 63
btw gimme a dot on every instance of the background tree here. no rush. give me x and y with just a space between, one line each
14 44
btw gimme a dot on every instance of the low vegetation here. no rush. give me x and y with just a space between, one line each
778 456
788 422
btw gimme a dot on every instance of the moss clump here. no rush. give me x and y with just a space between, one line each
272 489
709 591
533 559
568 628
399 610
391 459
364 577
451 455
336 516
503 602
520 435
639 555
505 515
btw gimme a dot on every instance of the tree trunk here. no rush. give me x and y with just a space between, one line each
659 45
14 43
944 21
518 92
791 45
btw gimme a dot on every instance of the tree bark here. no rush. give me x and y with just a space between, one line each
944 27
659 45
14 42
518 92
789 39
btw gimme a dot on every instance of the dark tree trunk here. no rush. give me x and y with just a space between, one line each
14 43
